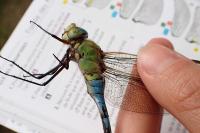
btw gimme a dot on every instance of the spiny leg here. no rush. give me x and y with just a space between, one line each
66 65
60 68
33 75
57 72
53 70
64 62
12 62
54 75
42 75
19 78
40 84
39 76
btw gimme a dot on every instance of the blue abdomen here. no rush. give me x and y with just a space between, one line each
96 91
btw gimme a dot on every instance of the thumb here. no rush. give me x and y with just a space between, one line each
174 82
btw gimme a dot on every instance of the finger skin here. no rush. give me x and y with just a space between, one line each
130 122
174 82
161 41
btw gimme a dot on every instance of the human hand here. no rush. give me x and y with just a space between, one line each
173 81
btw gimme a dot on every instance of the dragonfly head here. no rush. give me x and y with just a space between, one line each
74 34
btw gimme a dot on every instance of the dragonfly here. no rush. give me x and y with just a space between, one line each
106 74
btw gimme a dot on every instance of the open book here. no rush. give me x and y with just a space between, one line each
63 106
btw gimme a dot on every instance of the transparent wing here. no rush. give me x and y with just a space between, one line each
120 73
122 61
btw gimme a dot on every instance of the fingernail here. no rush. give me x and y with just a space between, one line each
154 59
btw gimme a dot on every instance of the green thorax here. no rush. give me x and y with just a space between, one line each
89 57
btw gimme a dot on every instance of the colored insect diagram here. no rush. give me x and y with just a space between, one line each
177 25
139 11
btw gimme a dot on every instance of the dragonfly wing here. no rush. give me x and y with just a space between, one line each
121 61
118 75
122 80
114 89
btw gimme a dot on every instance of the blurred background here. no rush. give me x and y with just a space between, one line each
10 12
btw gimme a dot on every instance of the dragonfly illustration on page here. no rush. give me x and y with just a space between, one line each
106 74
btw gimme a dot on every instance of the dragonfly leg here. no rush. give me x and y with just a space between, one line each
63 62
51 78
40 84
96 91
37 76
42 75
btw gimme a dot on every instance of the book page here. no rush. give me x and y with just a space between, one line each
63 106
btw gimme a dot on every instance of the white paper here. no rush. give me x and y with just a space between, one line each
63 106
